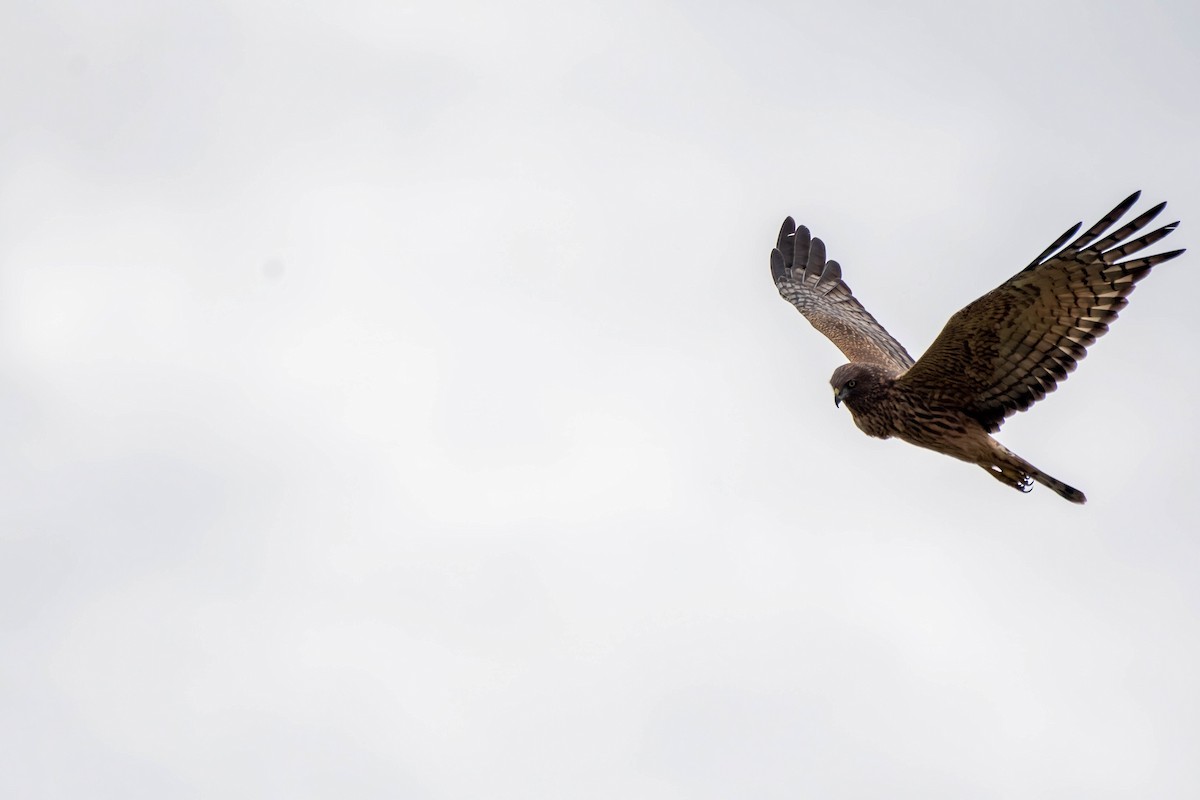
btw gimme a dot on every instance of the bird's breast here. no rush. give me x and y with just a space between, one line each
873 420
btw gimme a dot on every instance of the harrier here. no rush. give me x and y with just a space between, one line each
999 355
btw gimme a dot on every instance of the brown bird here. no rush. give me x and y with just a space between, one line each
999 355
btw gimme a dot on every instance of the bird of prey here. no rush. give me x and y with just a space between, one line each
997 356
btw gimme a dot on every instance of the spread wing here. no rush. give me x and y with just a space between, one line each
1008 349
815 287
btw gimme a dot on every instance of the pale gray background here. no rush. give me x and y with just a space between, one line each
395 403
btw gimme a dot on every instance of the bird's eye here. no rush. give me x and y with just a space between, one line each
851 384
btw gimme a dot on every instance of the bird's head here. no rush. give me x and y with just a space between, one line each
856 382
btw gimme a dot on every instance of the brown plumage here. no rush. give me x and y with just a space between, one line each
999 355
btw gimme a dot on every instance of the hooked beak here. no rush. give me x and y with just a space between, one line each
838 394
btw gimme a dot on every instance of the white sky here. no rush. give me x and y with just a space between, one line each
396 403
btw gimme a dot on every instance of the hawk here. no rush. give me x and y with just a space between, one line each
997 356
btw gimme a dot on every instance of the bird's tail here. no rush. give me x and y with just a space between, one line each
1012 470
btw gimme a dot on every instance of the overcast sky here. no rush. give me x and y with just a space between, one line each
396 403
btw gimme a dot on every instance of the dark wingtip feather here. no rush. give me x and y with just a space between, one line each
1126 204
796 253
814 259
830 276
1059 242
787 229
778 268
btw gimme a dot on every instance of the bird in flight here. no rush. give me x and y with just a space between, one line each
997 356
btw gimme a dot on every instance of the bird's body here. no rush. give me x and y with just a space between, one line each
883 407
996 356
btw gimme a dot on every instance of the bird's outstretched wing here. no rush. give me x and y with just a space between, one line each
815 287
1008 349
